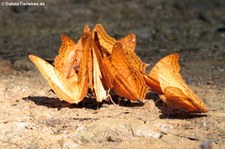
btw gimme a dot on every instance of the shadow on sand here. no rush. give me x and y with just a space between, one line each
88 103
168 113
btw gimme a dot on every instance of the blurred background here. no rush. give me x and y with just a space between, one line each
194 28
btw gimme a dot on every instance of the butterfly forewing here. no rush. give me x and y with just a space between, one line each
107 42
129 42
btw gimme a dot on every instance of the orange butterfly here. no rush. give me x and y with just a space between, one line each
69 84
123 66
176 93
127 81
76 68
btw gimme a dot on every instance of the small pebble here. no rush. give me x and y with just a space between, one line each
206 145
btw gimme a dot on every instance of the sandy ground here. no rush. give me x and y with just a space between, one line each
33 117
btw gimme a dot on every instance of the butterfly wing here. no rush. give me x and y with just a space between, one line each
128 81
176 90
133 60
107 42
152 79
129 42
58 82
117 81
69 57
175 98
170 60
152 83
97 65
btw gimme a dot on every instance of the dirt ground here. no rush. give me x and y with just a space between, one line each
33 117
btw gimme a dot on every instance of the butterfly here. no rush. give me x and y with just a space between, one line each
69 78
123 66
76 68
127 81
176 94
